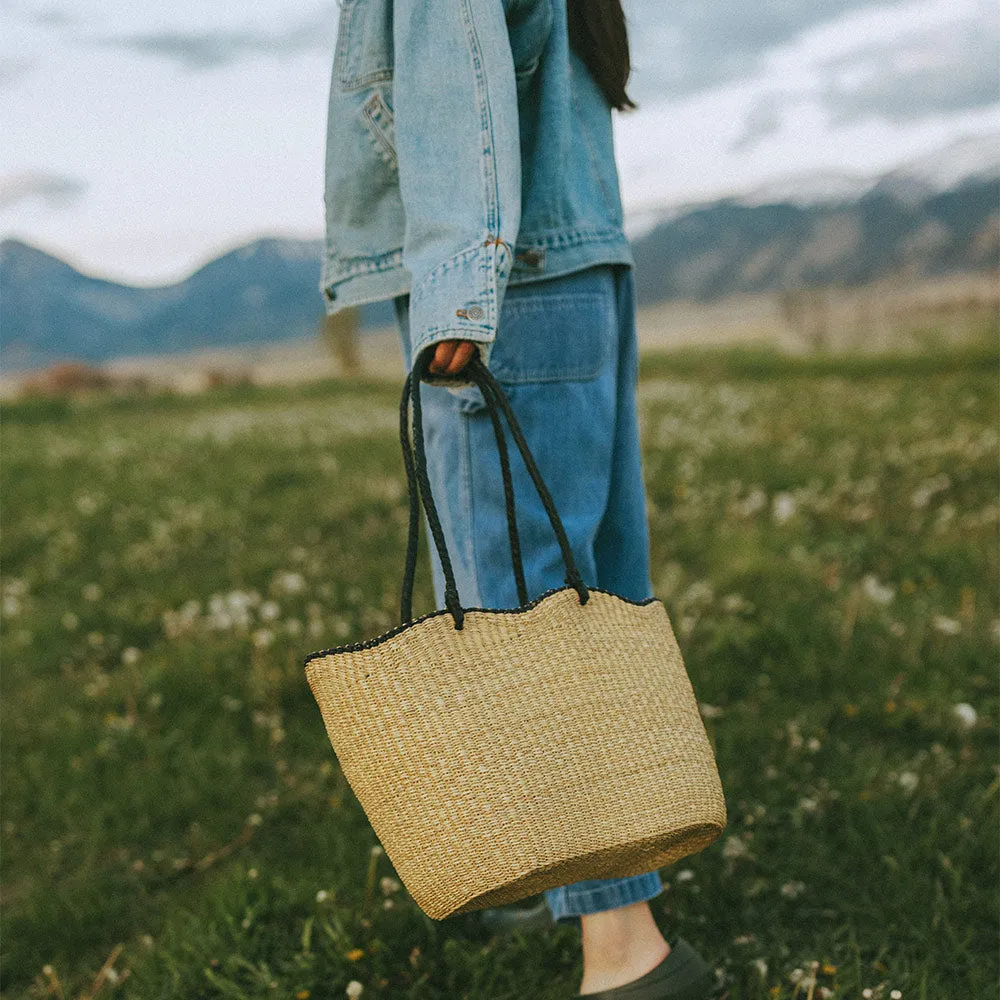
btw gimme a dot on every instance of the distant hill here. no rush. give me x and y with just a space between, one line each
727 247
938 216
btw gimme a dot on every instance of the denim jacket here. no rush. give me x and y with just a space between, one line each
467 148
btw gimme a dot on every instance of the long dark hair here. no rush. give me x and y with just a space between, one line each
597 34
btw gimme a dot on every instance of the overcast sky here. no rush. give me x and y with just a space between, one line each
138 141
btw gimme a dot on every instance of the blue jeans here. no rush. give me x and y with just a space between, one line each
566 356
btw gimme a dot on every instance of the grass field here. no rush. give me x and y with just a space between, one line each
824 535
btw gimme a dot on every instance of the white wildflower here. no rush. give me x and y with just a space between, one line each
808 805
86 504
783 507
761 966
734 848
908 781
70 621
754 502
354 989
389 886
322 896
792 890
813 744
269 610
254 819
876 591
684 876
945 625
263 638
710 711
130 656
924 493
92 592
896 995
290 582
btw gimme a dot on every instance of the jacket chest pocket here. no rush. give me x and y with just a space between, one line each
364 43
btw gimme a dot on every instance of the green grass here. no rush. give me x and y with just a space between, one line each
824 535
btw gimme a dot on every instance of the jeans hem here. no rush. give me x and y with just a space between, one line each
569 903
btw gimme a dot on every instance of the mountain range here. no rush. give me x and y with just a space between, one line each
939 215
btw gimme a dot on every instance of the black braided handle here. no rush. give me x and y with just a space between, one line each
418 487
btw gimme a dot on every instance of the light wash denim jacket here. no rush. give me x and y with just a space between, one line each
467 148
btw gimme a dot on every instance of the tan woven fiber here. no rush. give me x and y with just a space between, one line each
531 749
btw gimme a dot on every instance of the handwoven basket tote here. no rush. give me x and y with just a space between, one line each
499 753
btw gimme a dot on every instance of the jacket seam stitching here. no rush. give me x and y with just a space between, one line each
491 189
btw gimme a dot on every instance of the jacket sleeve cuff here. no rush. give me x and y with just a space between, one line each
460 299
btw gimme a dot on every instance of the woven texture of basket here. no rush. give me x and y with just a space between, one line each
499 753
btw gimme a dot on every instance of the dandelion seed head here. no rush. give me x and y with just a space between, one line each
966 715
354 989
322 896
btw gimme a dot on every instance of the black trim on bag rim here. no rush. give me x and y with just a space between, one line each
357 647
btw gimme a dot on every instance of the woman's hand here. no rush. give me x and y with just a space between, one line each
451 356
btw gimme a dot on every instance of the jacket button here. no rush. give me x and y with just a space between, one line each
475 312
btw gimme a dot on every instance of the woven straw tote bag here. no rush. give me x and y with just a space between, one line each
499 753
